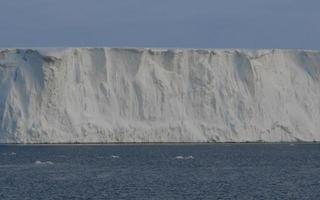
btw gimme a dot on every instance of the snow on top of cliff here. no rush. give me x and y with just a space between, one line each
60 51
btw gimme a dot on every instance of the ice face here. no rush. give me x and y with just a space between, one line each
106 95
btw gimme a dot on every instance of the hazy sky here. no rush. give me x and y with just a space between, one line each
161 23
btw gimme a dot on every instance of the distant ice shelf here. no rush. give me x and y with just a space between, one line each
114 95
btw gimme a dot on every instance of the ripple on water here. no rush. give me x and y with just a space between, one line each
9 154
237 171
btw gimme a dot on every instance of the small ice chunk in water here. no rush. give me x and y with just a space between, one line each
114 156
184 157
189 157
38 162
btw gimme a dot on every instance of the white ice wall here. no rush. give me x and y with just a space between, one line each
158 95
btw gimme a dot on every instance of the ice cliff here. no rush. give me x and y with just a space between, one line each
109 95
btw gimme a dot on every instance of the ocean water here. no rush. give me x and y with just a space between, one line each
206 171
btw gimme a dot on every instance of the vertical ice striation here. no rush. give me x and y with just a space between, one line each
106 95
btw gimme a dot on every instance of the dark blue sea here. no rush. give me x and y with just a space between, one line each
206 171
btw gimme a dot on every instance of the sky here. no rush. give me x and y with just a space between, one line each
161 23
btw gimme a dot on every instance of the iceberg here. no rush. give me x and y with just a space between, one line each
118 95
